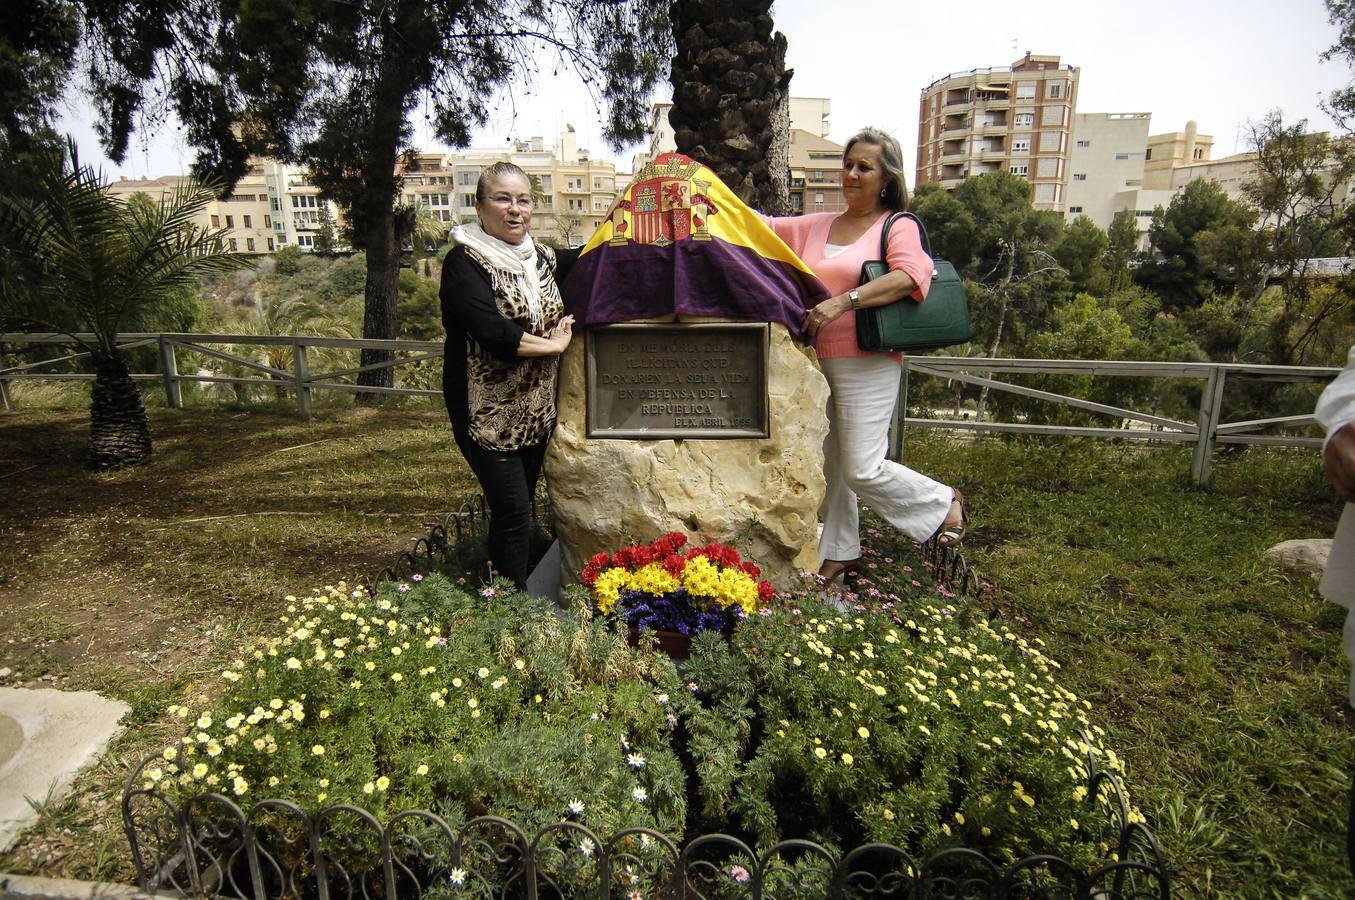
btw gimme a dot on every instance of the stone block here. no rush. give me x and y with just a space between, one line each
762 496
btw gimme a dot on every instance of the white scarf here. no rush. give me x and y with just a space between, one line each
517 261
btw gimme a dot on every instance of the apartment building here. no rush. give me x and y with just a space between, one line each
815 173
807 114
275 205
1017 118
1172 150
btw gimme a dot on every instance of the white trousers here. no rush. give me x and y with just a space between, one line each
865 390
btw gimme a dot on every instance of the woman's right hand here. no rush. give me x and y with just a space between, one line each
562 333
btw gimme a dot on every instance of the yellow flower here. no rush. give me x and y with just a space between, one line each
368 788
199 770
847 759
889 815
421 770
382 783
820 752
318 750
863 731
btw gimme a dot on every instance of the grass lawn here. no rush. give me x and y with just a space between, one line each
1218 677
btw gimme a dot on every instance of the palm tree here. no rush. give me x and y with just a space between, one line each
736 123
77 259
291 316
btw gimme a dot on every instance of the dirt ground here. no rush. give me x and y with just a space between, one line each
139 583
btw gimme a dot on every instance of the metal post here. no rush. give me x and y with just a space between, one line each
303 390
900 415
4 394
169 365
1211 401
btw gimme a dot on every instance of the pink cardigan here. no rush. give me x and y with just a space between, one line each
807 234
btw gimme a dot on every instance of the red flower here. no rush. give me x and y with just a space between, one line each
750 569
765 591
593 569
674 565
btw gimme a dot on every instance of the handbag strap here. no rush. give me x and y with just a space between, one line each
889 222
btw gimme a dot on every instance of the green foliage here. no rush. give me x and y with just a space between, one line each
1175 270
449 702
38 40
418 308
1122 243
930 731
1081 251
906 722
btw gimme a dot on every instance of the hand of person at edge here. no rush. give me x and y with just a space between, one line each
1339 460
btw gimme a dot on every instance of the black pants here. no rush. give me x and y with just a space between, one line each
508 480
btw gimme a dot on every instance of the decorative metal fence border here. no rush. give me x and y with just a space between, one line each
210 846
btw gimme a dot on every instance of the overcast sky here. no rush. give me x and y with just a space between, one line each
1220 62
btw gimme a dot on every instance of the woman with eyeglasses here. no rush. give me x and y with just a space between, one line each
506 329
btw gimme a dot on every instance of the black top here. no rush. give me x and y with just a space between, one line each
483 333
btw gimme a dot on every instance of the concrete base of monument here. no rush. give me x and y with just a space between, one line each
544 582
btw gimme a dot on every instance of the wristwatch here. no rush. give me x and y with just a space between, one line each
855 296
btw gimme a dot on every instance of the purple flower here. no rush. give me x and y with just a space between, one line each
416 578
738 873
489 592
403 588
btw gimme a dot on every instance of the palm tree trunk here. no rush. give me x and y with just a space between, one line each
119 434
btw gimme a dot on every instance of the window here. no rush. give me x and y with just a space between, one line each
270 245
216 221
1020 146
1051 140
1199 153
1046 193
1084 143
277 207
1048 167
467 178
1122 156
305 240
267 221
249 244
246 220
1079 176
1025 90
1024 120
1148 213
282 239
1074 209
1148 154
1133 182
234 247
467 200
1023 170
818 199
230 221
1054 90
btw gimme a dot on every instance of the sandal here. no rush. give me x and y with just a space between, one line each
841 569
950 535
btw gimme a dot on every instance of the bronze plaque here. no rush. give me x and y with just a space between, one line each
699 381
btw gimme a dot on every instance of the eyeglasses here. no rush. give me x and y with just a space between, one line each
523 202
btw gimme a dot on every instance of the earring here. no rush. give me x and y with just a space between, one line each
882 192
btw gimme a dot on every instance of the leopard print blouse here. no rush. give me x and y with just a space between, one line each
512 405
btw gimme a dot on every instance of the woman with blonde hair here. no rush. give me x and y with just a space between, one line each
865 385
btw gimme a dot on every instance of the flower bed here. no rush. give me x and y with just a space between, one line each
923 730
658 587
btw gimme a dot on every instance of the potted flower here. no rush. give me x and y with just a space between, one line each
659 588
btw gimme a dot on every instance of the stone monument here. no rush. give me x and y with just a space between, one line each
684 430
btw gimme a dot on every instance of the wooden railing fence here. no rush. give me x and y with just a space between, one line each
1206 432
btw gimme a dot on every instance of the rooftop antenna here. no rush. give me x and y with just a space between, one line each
1016 43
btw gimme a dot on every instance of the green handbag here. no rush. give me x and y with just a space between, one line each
941 321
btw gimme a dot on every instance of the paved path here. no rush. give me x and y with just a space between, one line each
46 737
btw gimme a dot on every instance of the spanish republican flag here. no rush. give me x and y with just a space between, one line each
679 241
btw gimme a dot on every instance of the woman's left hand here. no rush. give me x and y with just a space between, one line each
820 316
